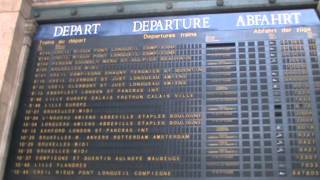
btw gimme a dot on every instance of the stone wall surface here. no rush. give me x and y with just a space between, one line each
14 15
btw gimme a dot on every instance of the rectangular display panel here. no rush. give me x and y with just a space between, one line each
215 96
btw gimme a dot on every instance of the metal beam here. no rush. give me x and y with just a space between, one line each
123 9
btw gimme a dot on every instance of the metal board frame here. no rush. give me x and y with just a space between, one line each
142 8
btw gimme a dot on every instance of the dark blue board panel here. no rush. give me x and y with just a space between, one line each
219 96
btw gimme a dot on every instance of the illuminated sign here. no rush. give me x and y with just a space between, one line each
232 21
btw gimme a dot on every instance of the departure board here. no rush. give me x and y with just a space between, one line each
212 96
